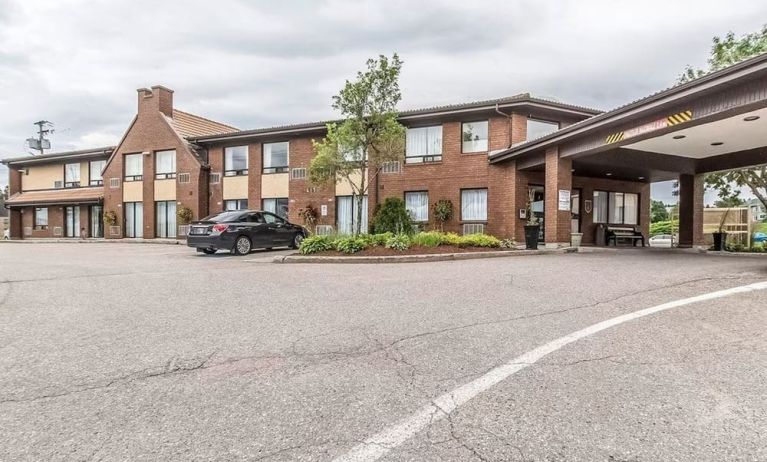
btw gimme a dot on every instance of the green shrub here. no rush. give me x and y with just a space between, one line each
398 242
376 240
508 243
443 212
315 244
663 227
451 239
429 239
479 240
351 244
392 217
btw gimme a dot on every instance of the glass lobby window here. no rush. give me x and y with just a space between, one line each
474 136
423 145
235 204
600 207
347 216
41 217
236 161
417 203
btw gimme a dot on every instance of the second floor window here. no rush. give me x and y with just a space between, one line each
134 167
165 164
71 175
276 157
236 161
474 137
94 172
538 128
423 145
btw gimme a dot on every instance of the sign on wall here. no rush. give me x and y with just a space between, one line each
564 199
324 210
669 121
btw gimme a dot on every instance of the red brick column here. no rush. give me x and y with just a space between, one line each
691 188
558 177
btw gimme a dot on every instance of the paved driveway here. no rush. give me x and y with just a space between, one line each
150 352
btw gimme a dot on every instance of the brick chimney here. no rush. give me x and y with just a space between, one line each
158 98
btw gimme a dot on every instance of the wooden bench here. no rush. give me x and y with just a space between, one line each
616 233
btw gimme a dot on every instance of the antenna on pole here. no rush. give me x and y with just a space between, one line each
41 143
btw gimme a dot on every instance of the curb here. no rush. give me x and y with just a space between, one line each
419 258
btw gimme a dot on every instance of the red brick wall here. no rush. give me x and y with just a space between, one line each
558 177
302 193
149 133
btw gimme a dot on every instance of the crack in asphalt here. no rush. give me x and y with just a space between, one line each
172 366
357 352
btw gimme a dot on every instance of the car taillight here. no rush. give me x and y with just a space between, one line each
220 227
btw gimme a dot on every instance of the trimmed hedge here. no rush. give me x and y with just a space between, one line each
354 244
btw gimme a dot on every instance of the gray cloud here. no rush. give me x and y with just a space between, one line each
254 64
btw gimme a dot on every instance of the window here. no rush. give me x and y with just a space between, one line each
236 161
624 208
97 221
538 128
278 206
616 208
298 173
600 207
94 172
474 205
417 203
423 145
72 221
165 165
134 167
390 167
474 136
347 216
276 157
41 218
166 218
235 204
134 219
72 175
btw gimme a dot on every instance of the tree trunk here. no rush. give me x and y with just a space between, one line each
361 190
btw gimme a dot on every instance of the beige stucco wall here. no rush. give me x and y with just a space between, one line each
275 185
42 177
165 190
235 187
133 191
84 173
344 189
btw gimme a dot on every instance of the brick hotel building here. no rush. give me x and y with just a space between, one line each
582 167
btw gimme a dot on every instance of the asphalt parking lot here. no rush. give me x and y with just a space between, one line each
154 352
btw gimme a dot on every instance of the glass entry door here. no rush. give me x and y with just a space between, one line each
72 221
575 211
97 221
134 219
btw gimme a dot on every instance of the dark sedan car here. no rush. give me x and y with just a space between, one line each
243 230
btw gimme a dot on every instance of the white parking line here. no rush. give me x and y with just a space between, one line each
381 443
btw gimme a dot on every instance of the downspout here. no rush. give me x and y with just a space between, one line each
508 117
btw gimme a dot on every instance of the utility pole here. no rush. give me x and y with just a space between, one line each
41 143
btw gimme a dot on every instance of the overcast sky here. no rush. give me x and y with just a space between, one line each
253 64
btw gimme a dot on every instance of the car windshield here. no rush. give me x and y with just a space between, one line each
224 217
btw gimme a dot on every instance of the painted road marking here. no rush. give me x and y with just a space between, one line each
378 445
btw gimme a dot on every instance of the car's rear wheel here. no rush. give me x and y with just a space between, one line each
208 251
242 246
297 240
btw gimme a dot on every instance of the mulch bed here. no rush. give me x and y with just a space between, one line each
415 250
